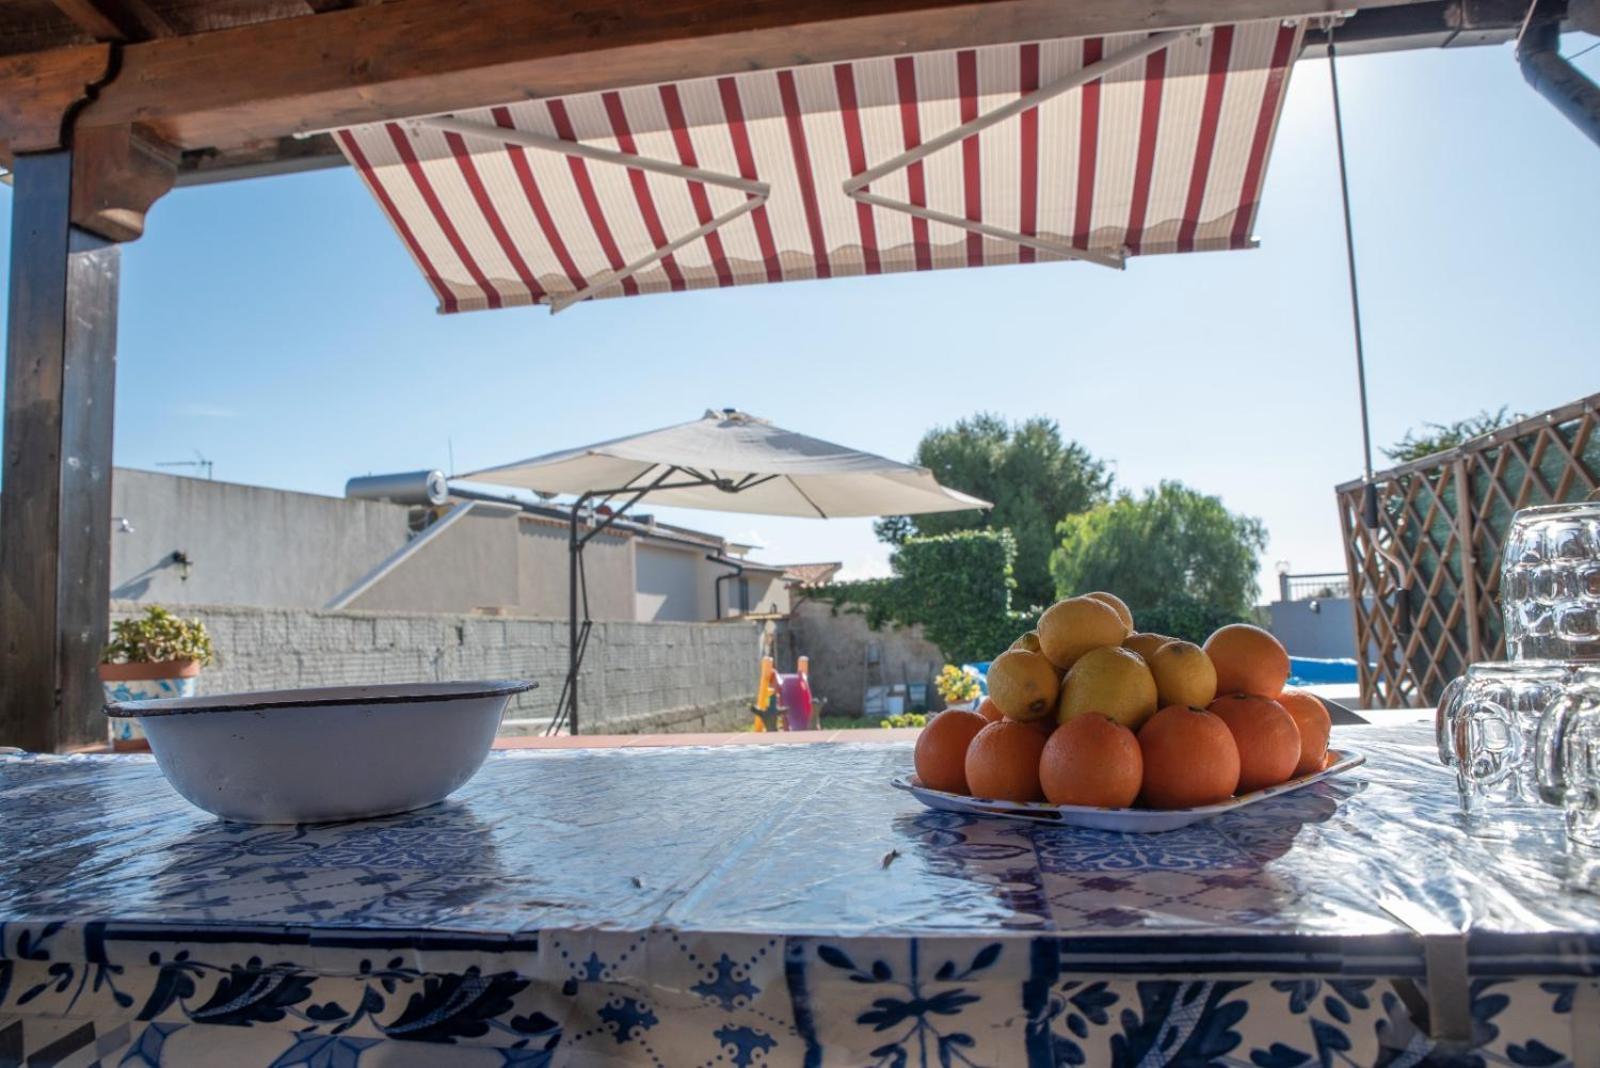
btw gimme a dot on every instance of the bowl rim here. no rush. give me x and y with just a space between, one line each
398 693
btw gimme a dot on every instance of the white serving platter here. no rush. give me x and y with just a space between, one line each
1127 820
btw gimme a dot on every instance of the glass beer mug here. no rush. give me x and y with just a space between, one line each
1486 726
1568 751
1550 583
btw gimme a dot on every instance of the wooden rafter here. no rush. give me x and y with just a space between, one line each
413 57
115 20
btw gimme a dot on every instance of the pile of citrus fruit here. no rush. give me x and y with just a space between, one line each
1084 710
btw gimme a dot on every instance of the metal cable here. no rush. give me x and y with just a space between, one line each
1350 258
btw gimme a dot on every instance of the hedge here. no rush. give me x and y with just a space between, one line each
957 586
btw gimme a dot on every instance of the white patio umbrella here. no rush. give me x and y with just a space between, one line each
729 461
725 461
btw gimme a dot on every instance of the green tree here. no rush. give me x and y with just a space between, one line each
1033 477
957 586
1437 437
1183 562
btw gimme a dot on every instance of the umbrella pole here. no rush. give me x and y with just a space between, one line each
578 637
574 548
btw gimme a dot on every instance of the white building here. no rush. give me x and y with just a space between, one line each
195 541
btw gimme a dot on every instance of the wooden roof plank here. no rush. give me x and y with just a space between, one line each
395 60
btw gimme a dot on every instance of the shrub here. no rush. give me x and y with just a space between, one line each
957 586
156 637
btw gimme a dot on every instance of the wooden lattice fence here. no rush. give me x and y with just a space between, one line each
1422 547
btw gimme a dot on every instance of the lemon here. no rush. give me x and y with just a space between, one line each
1070 628
1118 605
1111 681
1184 675
1146 644
1023 685
1028 642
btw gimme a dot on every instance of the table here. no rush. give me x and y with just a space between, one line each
779 905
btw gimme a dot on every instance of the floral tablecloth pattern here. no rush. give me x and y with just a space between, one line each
777 905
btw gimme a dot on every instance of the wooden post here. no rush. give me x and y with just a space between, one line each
55 517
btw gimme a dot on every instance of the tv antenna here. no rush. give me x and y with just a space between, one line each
199 463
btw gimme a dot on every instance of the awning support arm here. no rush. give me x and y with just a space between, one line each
856 187
756 193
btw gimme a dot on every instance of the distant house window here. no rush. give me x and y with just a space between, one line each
744 595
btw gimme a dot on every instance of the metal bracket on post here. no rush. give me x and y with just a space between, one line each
856 187
756 193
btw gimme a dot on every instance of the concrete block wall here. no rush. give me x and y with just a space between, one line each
836 639
637 677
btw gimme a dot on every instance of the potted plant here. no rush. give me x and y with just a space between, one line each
154 655
958 687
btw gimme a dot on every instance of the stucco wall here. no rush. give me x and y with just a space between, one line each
768 591
1329 632
637 676
542 568
246 544
668 581
256 546
837 643
472 564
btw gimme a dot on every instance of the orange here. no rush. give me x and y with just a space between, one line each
1248 660
1091 761
1268 740
1003 762
1190 759
1311 716
941 753
989 710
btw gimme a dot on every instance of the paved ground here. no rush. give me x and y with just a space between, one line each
638 741
1386 717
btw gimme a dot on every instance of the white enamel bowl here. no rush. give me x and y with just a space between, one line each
326 754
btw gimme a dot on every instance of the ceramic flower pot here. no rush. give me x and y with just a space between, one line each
143 682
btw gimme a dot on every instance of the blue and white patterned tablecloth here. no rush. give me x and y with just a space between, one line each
775 905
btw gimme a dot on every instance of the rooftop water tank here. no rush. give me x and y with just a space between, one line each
404 487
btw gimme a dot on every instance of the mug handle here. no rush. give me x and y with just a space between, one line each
1551 742
1448 701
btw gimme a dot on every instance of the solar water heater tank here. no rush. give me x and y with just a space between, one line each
404 487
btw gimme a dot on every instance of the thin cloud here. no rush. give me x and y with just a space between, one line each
199 410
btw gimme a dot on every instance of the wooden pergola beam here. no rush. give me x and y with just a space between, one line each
39 91
115 20
92 19
411 57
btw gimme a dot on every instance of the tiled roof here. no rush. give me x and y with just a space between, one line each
812 574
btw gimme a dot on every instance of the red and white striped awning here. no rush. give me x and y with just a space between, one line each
1094 149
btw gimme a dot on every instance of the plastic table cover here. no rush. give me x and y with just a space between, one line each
776 904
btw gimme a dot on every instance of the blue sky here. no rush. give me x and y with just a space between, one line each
278 327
